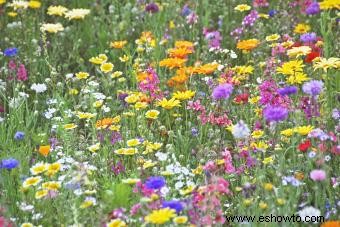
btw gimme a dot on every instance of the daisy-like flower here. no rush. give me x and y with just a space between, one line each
34 4
41 193
325 64
242 7
53 168
116 223
52 28
51 185
133 142
172 62
56 10
296 52
118 44
248 45
169 104
152 114
31 181
88 202
271 38
301 28
76 14
94 147
19 5
106 67
70 126
98 60
26 224
82 75
160 216
85 115
184 95
38 168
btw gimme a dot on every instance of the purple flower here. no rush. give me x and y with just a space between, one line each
318 175
118 168
275 113
155 182
176 205
250 19
194 132
336 114
152 8
308 37
186 10
9 164
222 91
313 87
11 52
289 90
115 137
313 8
19 135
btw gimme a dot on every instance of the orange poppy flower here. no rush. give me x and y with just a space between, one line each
331 224
44 150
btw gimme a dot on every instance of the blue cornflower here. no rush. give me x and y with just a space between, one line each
155 182
19 135
176 205
9 164
272 13
11 52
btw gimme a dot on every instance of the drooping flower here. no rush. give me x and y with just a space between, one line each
222 91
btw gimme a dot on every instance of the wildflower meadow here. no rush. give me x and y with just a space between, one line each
193 113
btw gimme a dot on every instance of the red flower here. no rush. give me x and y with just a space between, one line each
242 98
310 57
305 145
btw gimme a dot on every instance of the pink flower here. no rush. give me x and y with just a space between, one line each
22 73
318 175
12 65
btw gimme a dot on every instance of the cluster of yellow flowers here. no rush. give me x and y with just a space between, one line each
73 14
